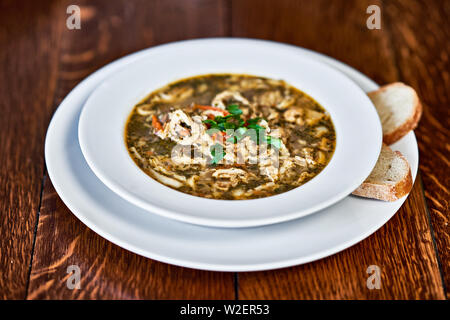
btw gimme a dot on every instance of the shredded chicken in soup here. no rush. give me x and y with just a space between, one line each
230 136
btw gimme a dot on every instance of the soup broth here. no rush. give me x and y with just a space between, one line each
230 136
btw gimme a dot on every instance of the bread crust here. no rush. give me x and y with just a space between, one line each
386 192
408 125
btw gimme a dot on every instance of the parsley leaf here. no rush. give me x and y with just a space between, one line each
217 156
238 135
274 141
234 109
253 121
242 128
210 122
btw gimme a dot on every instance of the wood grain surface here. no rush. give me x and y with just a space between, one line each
27 85
110 272
408 236
422 53
41 61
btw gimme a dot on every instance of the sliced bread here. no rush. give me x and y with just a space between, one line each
399 109
389 180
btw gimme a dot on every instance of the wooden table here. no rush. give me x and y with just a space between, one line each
41 60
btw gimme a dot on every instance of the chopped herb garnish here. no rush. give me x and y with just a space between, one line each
238 135
234 109
217 156
212 123
241 127
255 126
229 125
253 121
221 119
273 141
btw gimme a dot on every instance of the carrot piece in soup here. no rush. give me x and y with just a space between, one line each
156 124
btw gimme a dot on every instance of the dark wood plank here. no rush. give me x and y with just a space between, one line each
108 31
403 248
335 28
107 271
422 50
27 83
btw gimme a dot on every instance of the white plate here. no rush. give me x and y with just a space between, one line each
249 249
103 119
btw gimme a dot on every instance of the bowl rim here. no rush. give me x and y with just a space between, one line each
250 220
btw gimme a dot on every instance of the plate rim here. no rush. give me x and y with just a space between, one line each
84 217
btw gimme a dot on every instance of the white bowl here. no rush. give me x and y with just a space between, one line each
103 118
